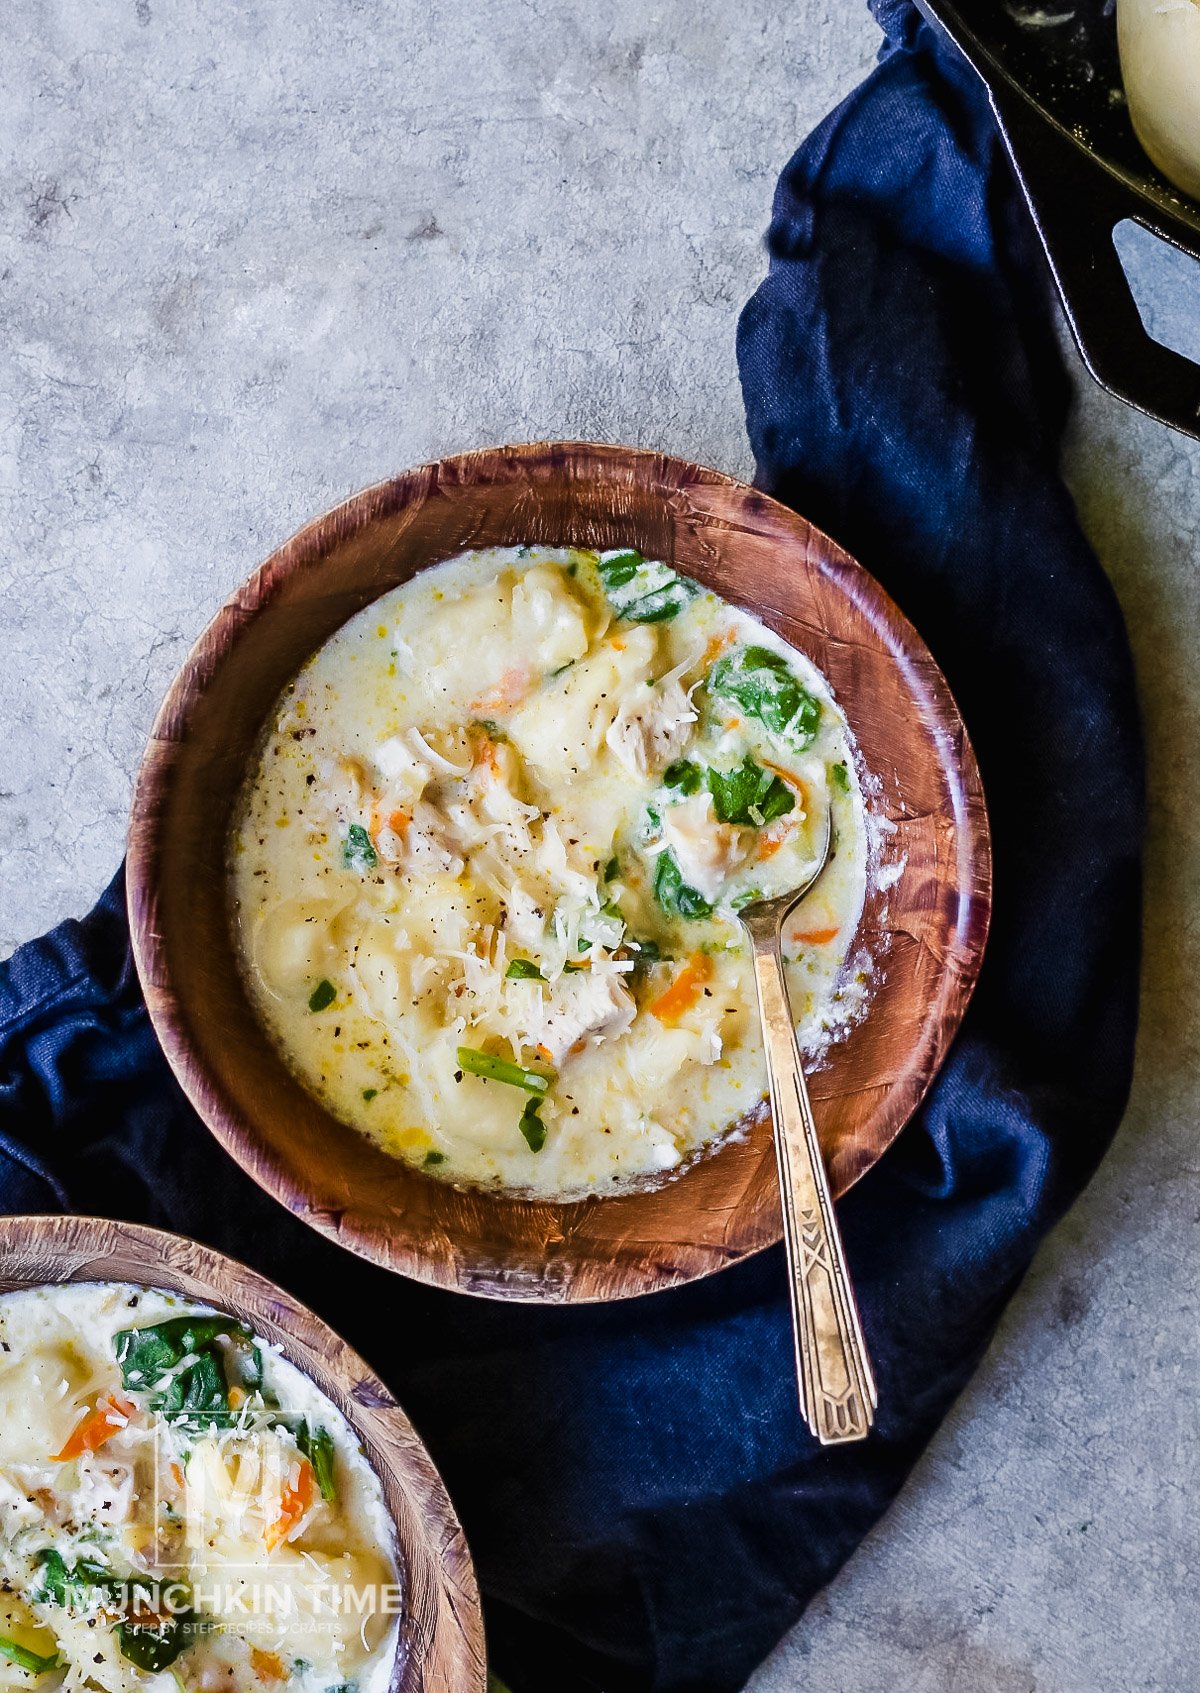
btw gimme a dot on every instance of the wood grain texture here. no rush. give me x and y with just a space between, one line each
440 1646
927 931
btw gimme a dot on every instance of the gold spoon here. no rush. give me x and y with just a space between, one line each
837 1389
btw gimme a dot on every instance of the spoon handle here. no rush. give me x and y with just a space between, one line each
837 1389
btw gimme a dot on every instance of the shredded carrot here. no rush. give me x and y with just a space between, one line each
296 1500
617 645
772 838
817 937
509 691
237 1397
267 1666
107 1417
789 776
684 991
483 749
177 1475
716 646
544 1052
397 821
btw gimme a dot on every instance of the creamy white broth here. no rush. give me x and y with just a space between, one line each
259 1518
512 807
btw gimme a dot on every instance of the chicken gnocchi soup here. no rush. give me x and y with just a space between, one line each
180 1509
487 867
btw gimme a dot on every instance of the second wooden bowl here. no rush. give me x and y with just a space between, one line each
440 1647
924 923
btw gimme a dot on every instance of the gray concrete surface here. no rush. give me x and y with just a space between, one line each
255 256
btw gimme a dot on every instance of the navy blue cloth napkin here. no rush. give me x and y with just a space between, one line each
645 1508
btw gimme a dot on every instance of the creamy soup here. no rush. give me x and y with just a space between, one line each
180 1508
487 867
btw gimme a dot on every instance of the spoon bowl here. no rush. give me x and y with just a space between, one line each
767 916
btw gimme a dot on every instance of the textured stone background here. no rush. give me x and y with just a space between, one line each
255 255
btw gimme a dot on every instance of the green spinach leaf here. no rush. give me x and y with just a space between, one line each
74 1587
749 794
643 590
673 894
155 1649
199 1392
758 679
523 970
684 776
358 850
531 1125
317 1446
60 1583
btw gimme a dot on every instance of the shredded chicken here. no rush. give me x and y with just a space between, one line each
106 1489
707 852
429 844
407 763
526 923
584 1005
496 794
654 726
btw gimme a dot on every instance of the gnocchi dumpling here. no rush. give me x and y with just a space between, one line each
294 946
548 614
562 731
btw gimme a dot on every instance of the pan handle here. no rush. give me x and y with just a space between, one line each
1076 204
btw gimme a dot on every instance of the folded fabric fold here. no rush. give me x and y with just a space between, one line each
645 1506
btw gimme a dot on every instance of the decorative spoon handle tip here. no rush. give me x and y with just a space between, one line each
837 1389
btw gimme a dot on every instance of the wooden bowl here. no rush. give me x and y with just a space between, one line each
441 1628
926 930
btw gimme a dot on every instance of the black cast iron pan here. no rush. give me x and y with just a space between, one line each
1051 71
